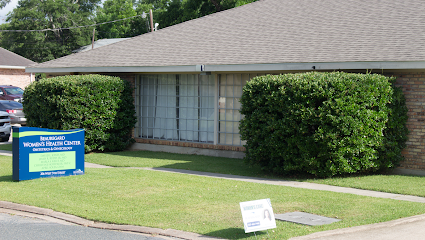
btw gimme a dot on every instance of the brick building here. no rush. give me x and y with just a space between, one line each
188 78
12 69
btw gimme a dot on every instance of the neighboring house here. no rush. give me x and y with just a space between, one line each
99 43
188 78
12 69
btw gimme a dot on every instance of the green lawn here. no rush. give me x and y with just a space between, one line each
172 160
6 147
409 185
190 203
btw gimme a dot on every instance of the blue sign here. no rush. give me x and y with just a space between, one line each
41 153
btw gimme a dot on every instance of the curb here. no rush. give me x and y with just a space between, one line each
6 153
87 223
362 228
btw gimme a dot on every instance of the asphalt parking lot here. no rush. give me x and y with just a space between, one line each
20 227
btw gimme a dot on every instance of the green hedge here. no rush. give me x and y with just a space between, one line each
102 105
323 124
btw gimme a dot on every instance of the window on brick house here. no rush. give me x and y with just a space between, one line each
177 107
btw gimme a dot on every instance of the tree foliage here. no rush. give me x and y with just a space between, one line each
115 10
102 105
49 14
323 124
177 11
165 12
3 3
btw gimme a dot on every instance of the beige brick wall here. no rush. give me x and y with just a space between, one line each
413 85
15 77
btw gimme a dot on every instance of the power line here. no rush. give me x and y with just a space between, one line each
143 15
14 40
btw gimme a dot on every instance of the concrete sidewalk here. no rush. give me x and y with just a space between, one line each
410 228
406 228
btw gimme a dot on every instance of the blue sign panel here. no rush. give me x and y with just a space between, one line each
40 153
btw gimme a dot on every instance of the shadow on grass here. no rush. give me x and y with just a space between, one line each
183 161
236 233
6 178
6 147
212 165
222 165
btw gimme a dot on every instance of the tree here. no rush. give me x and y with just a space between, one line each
3 3
56 15
143 6
177 11
165 12
115 10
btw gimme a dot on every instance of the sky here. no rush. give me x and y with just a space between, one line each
9 7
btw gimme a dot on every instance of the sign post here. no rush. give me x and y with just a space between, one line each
257 215
40 153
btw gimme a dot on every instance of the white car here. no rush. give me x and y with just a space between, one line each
4 126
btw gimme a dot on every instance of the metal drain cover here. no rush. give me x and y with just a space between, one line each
305 218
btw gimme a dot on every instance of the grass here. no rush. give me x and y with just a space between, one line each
177 161
191 203
6 147
409 185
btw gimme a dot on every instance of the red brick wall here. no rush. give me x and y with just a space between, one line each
128 77
413 85
125 76
15 77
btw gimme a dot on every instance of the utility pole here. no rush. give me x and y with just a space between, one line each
151 18
92 40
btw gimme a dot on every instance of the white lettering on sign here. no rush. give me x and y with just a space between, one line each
54 142
34 144
52 138
72 143
51 144
41 149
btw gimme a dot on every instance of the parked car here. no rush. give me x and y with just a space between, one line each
15 111
4 126
9 92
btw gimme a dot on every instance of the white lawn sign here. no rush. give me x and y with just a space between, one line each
257 215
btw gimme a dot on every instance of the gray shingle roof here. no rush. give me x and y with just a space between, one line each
8 58
99 43
275 31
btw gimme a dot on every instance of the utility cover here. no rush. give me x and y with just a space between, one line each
305 218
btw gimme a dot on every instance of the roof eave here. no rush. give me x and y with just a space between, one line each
153 69
239 67
315 66
11 67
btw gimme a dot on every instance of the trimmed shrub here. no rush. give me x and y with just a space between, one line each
323 124
102 105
